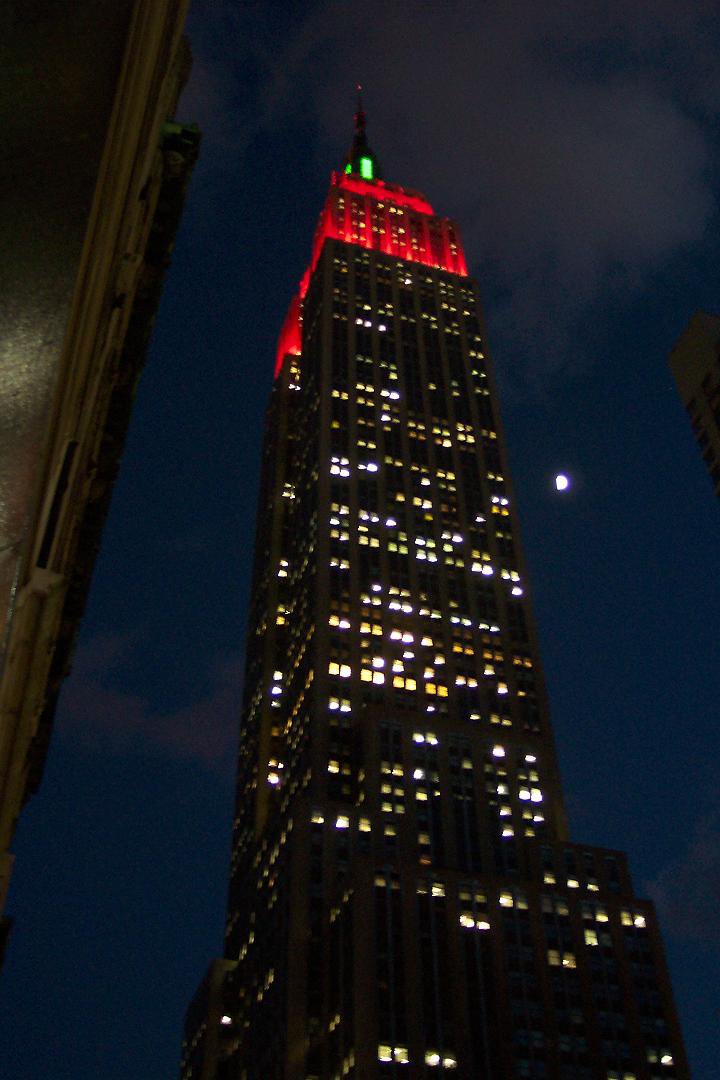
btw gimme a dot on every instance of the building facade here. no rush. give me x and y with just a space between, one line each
94 173
695 364
404 897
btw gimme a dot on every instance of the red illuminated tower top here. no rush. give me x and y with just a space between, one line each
362 208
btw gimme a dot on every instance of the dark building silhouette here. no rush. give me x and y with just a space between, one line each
94 172
695 364
404 898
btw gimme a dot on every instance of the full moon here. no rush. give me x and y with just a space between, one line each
562 482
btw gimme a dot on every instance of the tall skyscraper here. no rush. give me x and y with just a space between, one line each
695 364
404 898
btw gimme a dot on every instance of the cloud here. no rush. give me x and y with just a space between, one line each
95 711
572 142
687 892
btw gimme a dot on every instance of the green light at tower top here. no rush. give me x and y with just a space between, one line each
361 160
366 168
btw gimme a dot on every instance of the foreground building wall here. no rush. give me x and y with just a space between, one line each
695 364
404 897
96 177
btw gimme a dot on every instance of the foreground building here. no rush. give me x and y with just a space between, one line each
404 898
695 364
94 173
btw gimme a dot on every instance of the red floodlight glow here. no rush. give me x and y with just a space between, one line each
381 191
383 217
290 339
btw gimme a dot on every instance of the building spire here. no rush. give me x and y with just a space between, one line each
361 160
360 114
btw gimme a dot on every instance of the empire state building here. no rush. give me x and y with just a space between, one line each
404 898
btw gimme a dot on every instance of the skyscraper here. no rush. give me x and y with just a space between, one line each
695 364
404 899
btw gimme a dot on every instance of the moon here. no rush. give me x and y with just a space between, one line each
562 482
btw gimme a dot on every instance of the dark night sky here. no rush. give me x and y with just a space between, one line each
578 148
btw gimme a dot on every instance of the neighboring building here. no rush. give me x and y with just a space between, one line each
695 364
94 180
404 899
